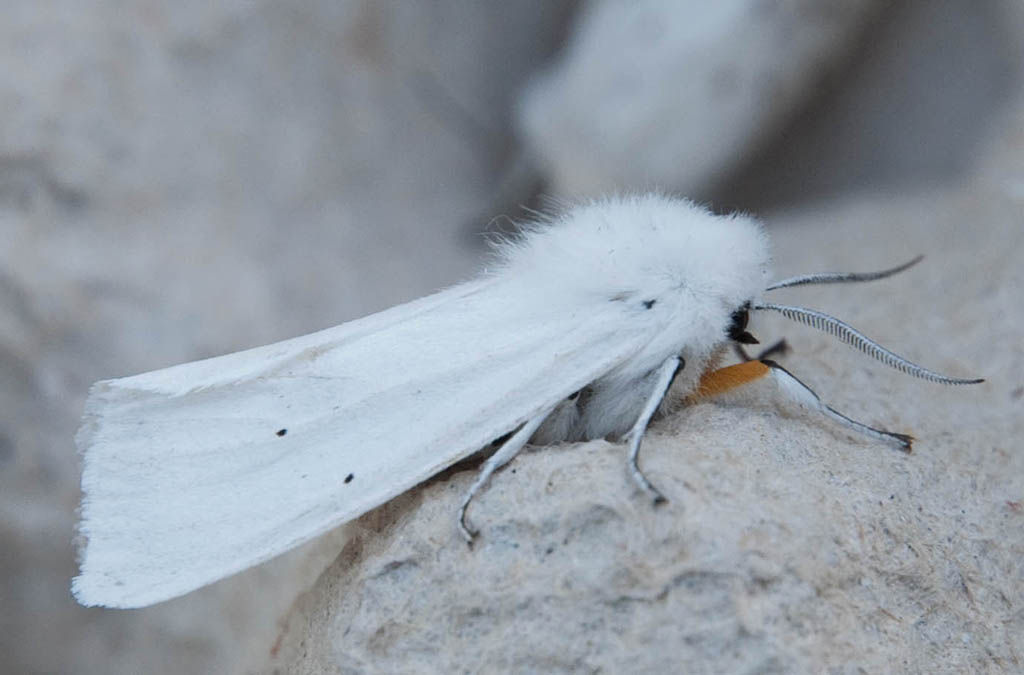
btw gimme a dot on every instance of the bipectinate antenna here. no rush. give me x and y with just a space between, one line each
853 337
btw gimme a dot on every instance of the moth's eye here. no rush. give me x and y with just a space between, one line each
738 323
738 326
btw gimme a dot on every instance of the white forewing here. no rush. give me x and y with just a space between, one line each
189 478
197 471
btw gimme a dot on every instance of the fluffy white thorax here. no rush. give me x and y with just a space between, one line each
676 270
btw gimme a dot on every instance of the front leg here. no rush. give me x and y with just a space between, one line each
714 382
805 396
781 348
719 381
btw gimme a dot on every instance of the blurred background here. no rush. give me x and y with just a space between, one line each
181 180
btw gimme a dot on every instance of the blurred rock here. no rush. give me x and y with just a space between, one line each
911 110
675 94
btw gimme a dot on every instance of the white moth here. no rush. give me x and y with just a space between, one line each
198 471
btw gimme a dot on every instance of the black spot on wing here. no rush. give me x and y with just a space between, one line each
348 478
282 432
649 303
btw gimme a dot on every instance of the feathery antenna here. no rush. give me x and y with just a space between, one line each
853 337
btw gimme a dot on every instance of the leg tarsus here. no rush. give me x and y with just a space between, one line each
665 374
500 458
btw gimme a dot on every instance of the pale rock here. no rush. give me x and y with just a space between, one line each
673 94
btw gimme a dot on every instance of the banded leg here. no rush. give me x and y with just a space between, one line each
666 373
503 456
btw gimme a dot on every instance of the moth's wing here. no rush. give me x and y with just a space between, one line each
198 471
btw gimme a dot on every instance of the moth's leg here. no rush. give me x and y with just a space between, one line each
781 347
724 379
715 382
802 394
666 373
503 456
